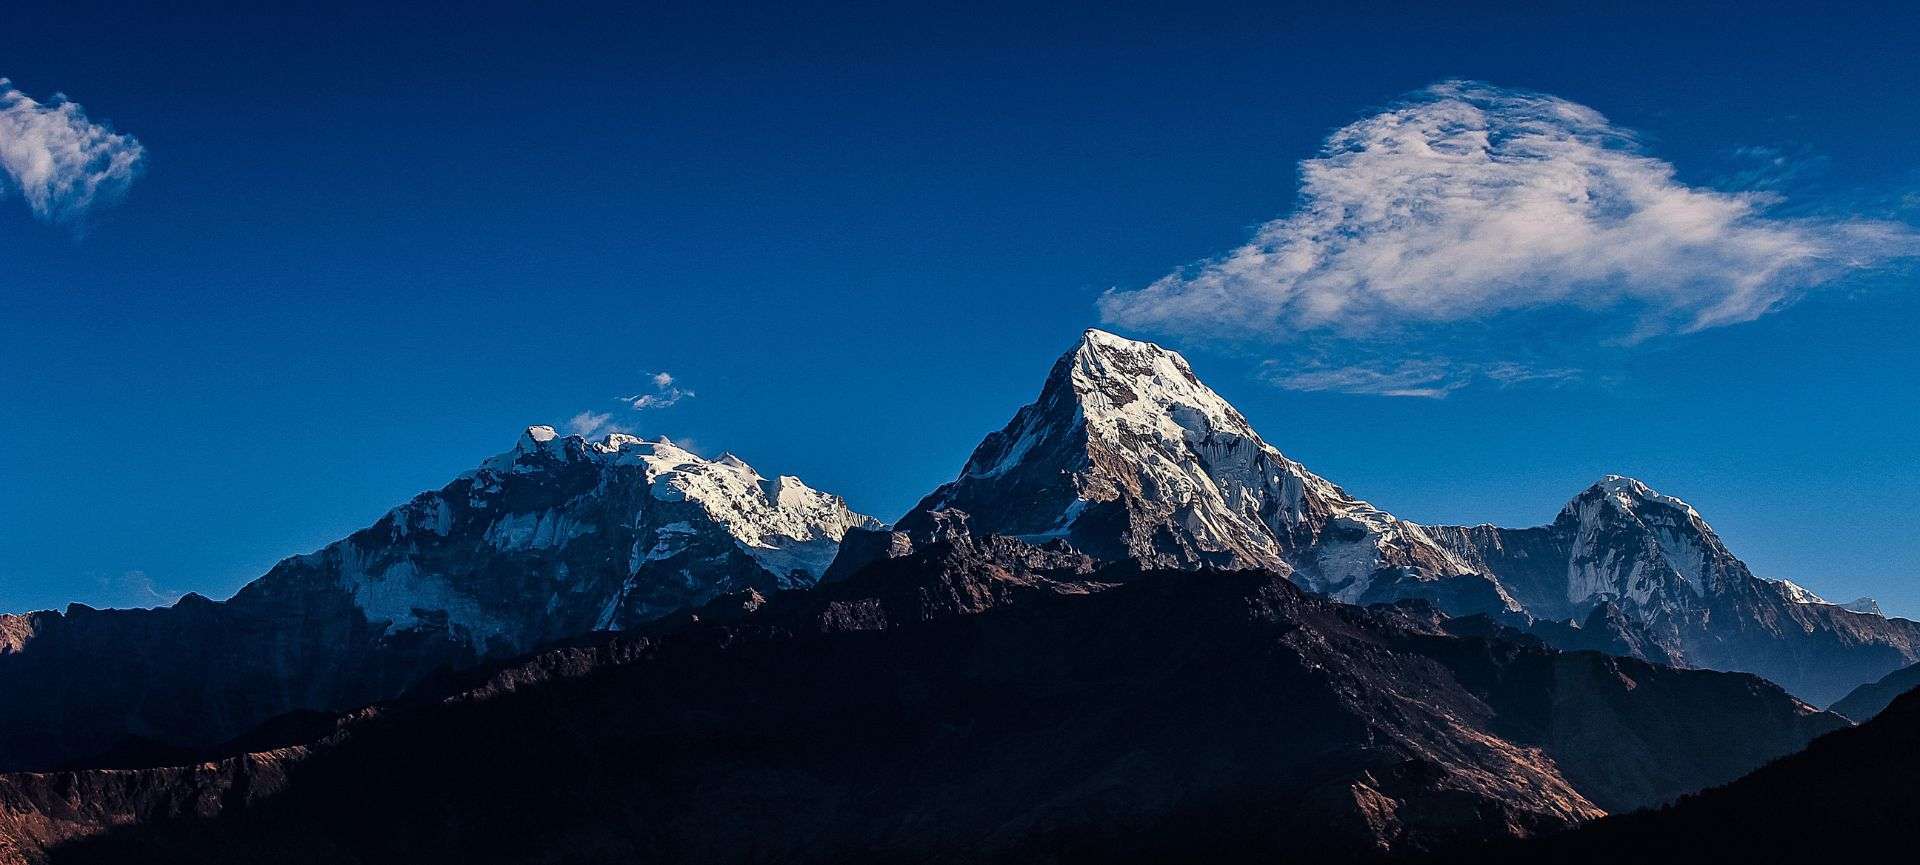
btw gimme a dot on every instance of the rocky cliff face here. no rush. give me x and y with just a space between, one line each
558 537
967 701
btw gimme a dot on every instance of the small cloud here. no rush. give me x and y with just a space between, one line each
134 589
61 162
590 423
1768 169
665 393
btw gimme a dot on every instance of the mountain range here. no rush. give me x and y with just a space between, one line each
1126 455
1130 627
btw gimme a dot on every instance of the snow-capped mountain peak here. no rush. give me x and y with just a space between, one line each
562 534
1643 549
1127 454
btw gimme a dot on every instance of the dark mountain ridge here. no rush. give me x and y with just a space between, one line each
970 701
1846 798
1872 698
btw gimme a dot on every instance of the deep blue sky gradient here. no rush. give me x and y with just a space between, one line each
370 246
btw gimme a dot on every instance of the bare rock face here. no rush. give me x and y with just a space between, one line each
556 538
971 702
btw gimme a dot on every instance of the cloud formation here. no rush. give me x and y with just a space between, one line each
1466 202
60 162
136 590
590 423
665 393
1417 377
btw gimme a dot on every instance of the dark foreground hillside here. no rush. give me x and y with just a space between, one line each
945 707
1849 797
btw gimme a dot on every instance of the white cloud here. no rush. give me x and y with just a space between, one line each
1433 378
665 393
62 163
1465 202
135 589
1425 378
590 423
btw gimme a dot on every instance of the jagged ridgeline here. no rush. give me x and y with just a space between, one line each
1130 627
1126 458
1127 455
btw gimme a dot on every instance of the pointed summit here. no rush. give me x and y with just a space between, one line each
1127 455
1631 494
1643 549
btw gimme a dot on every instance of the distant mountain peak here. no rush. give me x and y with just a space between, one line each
562 534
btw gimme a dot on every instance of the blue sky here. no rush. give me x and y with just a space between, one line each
357 250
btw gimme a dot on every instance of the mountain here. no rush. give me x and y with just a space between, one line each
1127 456
1873 698
1651 556
970 700
1847 798
555 538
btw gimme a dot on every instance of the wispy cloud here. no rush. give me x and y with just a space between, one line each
129 589
666 392
60 162
1432 378
1466 202
1423 378
589 423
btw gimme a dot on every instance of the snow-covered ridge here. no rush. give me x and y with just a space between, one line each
561 534
761 513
